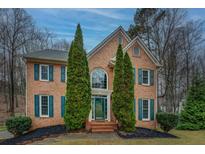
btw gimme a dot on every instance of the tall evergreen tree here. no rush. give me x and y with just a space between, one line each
128 122
192 116
118 87
78 94
123 92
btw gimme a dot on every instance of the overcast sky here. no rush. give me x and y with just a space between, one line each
96 23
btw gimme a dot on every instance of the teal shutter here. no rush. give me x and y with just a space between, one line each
151 77
50 72
151 109
36 105
140 76
51 106
36 71
62 106
134 70
62 73
140 109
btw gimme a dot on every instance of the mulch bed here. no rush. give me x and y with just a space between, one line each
145 133
36 135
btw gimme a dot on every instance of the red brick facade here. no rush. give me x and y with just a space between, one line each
99 59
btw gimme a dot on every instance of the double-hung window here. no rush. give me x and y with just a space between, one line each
145 109
145 77
44 106
44 72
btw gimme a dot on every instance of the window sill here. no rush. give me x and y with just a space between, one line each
43 80
146 120
42 117
137 56
146 85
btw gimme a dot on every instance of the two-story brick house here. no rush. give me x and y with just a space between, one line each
46 83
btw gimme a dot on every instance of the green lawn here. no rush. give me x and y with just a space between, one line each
185 137
2 128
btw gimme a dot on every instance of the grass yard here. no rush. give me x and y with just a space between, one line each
2 128
185 137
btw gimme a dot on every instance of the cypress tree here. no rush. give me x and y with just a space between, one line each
78 94
118 87
192 116
128 123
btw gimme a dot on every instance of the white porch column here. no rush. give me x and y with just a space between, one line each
90 114
108 107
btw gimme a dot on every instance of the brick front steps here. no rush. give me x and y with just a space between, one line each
102 126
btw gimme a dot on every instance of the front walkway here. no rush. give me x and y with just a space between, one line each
81 138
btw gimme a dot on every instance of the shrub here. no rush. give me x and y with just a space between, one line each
167 121
18 125
188 126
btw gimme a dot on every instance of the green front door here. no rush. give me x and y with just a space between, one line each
99 107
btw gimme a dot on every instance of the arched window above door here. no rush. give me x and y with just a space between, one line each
99 79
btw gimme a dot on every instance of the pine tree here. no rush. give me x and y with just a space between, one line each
192 116
78 94
118 87
128 123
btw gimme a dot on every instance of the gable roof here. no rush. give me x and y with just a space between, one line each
62 55
147 51
109 37
49 54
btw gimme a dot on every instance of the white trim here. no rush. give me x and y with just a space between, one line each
146 84
156 101
91 74
108 108
65 74
47 72
107 39
26 90
142 45
133 52
148 119
41 105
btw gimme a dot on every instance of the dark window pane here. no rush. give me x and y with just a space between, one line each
145 109
44 105
145 77
44 72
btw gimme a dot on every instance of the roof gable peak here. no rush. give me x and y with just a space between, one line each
109 37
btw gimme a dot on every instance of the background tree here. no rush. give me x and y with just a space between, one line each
192 116
176 41
78 95
128 123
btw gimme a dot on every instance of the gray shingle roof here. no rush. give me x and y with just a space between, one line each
49 54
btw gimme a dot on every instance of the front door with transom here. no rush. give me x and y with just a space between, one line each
99 107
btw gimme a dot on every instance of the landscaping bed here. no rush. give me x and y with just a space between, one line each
145 133
35 135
